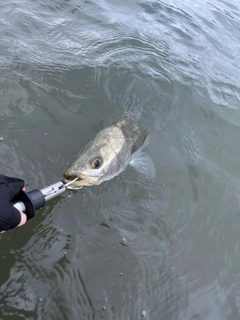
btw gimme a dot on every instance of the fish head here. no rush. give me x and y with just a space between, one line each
97 162
85 170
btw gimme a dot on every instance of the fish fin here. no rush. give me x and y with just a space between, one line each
141 143
143 164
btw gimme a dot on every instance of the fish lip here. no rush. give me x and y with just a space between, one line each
71 177
74 188
68 178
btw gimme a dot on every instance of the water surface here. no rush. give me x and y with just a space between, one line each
133 247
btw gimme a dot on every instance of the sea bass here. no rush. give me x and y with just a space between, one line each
110 152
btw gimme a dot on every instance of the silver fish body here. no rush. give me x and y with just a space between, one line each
108 154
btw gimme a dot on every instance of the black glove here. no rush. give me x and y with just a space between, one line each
9 188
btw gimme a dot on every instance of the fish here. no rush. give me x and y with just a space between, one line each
109 153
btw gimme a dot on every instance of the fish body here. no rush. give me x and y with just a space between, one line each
109 153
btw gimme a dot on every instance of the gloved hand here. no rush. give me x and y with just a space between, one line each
10 217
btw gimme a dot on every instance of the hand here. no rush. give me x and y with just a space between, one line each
10 217
23 216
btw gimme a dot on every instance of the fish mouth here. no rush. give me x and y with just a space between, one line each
75 181
77 184
71 177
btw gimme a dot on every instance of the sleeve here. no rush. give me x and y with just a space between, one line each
9 215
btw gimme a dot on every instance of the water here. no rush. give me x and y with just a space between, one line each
133 247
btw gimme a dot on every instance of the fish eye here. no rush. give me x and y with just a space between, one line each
96 163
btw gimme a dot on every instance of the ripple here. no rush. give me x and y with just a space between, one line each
45 271
90 46
132 244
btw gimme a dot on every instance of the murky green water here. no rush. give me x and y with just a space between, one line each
133 247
